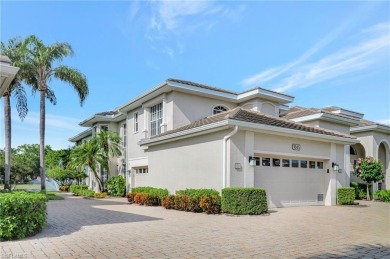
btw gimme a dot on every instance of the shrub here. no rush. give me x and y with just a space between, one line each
116 185
383 195
64 188
345 195
187 203
100 195
76 189
210 204
242 201
87 193
141 198
355 186
169 202
130 197
155 195
21 214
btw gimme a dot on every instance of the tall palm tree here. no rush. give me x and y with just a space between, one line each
14 50
44 62
88 155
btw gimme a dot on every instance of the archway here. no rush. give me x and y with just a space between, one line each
356 151
383 157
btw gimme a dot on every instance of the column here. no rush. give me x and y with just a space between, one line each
249 171
330 178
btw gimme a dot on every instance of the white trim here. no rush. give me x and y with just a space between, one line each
349 113
379 128
327 117
291 155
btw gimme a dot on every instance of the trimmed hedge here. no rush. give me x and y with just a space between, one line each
244 201
383 195
100 195
116 186
64 188
76 189
149 196
345 195
194 200
22 214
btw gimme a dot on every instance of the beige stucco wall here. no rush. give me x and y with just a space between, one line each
187 163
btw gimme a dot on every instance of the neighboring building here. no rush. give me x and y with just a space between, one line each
182 134
7 73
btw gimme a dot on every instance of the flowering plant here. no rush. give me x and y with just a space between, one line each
369 170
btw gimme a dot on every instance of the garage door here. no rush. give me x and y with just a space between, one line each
291 181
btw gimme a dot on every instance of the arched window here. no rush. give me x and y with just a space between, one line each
219 109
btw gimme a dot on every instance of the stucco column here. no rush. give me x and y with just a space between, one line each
347 165
163 125
330 178
249 171
146 122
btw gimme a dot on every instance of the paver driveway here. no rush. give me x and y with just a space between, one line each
82 228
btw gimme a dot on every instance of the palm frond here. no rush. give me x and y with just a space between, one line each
21 101
75 78
51 96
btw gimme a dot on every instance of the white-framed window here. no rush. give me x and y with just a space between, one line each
135 129
141 170
219 108
155 119
104 127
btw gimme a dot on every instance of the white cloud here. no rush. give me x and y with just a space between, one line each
372 49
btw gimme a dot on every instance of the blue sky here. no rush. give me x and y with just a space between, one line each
324 53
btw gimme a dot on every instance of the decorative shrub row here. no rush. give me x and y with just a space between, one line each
383 195
82 190
244 201
194 200
76 188
116 186
149 196
345 195
22 214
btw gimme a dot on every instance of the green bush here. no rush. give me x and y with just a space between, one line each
360 190
22 214
100 195
197 193
345 195
116 186
155 196
64 188
87 193
76 189
243 201
383 195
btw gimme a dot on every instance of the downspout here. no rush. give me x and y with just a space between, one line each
225 139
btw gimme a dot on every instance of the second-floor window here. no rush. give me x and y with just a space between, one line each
104 128
155 119
135 122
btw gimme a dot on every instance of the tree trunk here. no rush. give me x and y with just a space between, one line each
7 131
368 192
42 141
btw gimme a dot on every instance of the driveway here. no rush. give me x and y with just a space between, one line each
112 228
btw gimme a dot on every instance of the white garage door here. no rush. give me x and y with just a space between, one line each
291 181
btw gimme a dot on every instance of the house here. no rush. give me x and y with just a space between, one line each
182 134
7 73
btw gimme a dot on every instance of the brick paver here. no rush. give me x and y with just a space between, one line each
112 228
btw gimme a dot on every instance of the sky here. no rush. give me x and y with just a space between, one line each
325 53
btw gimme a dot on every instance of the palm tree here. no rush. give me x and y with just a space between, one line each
109 142
14 50
88 155
44 61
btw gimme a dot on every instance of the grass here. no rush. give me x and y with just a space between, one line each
53 197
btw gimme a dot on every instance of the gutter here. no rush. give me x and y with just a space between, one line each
225 139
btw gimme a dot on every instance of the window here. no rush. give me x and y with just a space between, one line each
141 170
352 151
219 109
276 162
135 122
104 128
303 163
312 164
295 163
286 163
155 119
265 161
320 165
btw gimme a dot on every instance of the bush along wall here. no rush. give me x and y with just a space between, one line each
194 200
149 196
383 195
244 201
22 214
116 186
345 195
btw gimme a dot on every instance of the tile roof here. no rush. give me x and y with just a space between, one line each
240 114
107 113
297 112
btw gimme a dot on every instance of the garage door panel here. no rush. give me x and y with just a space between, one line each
291 186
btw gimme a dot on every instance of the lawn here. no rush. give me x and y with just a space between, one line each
23 187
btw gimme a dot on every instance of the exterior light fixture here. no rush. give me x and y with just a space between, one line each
237 166
335 166
252 161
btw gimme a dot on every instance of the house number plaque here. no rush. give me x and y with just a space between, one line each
296 147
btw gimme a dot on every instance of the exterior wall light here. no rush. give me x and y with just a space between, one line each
335 166
237 166
252 161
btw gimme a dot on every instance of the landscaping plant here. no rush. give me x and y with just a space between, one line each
243 201
369 170
345 195
116 185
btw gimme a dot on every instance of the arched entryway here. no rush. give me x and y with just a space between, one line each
356 151
383 157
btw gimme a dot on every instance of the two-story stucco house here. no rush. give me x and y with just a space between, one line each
182 134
